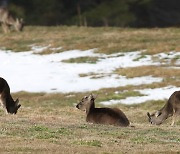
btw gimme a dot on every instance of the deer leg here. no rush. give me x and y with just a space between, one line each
5 28
173 117
2 102
173 120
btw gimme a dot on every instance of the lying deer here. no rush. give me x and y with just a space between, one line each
111 116
171 108
7 21
6 99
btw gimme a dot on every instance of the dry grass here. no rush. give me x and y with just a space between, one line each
107 40
50 123
156 71
56 128
170 76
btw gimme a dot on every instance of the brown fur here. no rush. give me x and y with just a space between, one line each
7 21
110 116
171 108
6 100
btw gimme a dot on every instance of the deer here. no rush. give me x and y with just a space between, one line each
108 116
7 21
171 108
6 99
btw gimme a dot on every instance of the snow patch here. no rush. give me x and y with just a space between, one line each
26 71
30 72
149 94
39 49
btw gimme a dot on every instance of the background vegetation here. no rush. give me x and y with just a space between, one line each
123 13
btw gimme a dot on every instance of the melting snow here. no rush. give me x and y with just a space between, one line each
149 94
168 56
47 73
27 71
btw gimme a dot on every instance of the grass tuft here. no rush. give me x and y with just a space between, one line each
90 60
94 143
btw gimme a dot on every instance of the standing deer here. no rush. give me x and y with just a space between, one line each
171 108
110 116
7 21
6 99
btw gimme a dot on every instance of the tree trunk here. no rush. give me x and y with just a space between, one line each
79 14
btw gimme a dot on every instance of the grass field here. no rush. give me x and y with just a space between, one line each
107 40
50 123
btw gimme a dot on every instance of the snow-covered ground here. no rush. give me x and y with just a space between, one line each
149 94
29 71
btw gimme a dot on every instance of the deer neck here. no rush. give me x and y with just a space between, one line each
10 101
10 104
166 112
163 116
90 107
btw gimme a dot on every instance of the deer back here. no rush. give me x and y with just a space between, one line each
174 101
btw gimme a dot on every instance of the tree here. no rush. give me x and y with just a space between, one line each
131 13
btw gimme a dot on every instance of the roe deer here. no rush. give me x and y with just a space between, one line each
7 21
6 100
171 108
111 116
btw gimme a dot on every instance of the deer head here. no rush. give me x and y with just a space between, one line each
156 118
19 24
13 109
86 103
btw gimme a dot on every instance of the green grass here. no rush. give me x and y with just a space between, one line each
43 132
140 57
90 60
115 95
89 143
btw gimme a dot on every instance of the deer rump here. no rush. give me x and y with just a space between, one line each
111 116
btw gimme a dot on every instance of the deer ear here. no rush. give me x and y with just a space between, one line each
95 96
157 114
148 114
91 97
17 101
18 106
